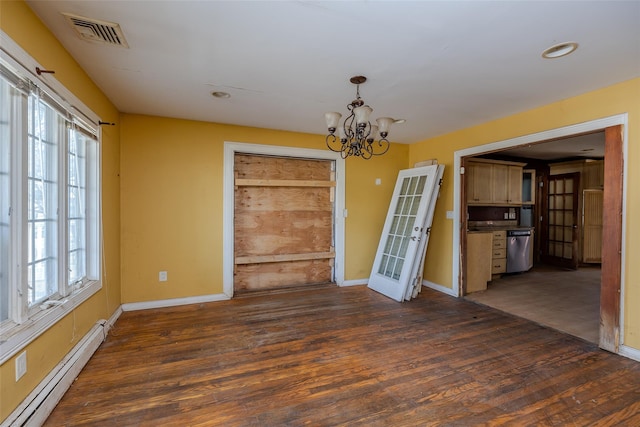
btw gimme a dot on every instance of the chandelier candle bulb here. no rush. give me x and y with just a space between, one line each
332 119
342 134
362 114
373 134
384 123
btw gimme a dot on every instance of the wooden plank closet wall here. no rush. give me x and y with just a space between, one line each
283 222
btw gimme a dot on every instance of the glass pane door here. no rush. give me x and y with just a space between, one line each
402 232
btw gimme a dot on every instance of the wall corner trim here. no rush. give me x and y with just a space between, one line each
439 288
629 352
354 282
145 305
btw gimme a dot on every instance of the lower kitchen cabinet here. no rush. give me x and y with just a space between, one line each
499 252
478 260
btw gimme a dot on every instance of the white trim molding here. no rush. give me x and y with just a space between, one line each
439 288
630 352
161 303
230 149
355 282
19 336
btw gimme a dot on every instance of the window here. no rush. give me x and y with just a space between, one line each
49 205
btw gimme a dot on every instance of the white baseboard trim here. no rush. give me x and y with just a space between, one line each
355 282
439 288
145 305
630 352
36 407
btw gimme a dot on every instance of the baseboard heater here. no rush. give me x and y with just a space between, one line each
35 408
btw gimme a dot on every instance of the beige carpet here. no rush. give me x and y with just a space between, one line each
566 300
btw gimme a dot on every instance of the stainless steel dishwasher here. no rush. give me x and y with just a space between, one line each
518 250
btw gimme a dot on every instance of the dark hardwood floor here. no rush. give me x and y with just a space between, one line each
346 356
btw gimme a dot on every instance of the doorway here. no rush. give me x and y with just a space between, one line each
611 286
332 188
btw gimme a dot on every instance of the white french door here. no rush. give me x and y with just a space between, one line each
403 231
415 283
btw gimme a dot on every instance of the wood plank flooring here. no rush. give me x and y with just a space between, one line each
346 356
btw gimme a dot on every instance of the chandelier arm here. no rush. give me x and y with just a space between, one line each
330 140
367 153
384 145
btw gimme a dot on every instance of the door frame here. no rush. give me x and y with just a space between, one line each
228 226
611 332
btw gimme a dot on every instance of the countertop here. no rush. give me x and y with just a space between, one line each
492 228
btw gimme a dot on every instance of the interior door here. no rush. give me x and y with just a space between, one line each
403 229
562 218
415 278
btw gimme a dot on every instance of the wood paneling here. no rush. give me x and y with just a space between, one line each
278 275
592 226
291 199
282 232
252 166
283 220
346 356
612 244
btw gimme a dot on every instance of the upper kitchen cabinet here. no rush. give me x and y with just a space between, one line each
529 187
479 183
493 182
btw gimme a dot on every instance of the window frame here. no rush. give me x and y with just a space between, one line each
25 323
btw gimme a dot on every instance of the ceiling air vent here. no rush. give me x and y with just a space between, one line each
95 30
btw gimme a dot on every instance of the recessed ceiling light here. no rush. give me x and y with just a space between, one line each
221 94
558 50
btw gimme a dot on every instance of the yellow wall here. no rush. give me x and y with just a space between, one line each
172 197
609 101
18 21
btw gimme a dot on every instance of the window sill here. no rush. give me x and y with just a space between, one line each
14 338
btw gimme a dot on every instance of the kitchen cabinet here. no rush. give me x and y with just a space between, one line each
499 252
478 260
479 183
493 182
529 187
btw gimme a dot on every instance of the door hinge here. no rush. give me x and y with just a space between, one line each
440 183
461 170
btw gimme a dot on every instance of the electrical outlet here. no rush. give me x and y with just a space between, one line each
21 365
162 276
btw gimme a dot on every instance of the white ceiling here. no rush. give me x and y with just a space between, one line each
589 146
441 65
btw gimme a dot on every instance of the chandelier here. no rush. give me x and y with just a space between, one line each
357 136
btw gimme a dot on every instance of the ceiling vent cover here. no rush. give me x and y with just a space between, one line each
95 30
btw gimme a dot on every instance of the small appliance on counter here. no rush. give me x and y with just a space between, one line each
526 216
